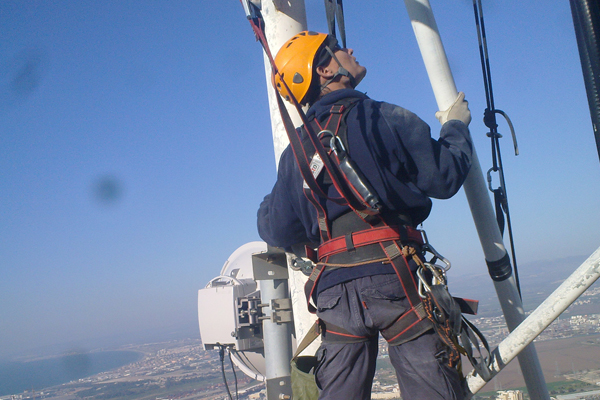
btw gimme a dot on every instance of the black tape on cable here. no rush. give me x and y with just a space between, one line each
500 270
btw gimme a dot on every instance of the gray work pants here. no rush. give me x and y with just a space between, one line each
363 307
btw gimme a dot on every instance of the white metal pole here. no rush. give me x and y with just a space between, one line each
543 316
444 88
284 19
280 25
277 340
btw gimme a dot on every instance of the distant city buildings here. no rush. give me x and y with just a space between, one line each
185 368
495 330
510 395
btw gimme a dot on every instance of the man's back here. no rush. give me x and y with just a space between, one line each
394 150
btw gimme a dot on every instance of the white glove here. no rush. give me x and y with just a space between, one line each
458 110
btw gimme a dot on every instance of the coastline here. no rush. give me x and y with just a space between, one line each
38 374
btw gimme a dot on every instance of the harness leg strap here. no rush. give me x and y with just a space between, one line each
410 325
335 334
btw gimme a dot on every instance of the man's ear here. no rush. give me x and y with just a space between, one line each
325 72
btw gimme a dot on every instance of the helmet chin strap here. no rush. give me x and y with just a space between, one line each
341 71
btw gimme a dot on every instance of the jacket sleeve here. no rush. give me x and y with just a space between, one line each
436 167
278 222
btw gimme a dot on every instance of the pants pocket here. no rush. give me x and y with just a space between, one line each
384 302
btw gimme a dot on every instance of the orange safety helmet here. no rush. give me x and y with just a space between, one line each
295 62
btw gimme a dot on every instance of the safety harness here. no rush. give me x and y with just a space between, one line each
359 237
367 236
371 233
374 235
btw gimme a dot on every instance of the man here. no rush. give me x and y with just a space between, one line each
359 292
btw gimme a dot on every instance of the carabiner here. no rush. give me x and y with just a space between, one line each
427 247
423 285
489 177
334 143
438 278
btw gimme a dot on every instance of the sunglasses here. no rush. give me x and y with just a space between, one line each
324 56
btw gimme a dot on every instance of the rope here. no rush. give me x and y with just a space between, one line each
358 264
500 195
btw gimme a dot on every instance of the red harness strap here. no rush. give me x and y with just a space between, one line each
369 236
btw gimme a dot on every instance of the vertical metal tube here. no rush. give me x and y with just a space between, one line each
283 20
586 19
277 339
444 88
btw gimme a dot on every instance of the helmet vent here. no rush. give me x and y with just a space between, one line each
298 78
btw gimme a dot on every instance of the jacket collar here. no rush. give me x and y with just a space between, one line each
324 104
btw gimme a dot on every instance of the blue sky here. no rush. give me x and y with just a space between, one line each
135 147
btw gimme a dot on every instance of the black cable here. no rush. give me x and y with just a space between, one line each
222 357
500 195
234 375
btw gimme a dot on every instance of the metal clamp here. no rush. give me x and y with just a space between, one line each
303 265
282 310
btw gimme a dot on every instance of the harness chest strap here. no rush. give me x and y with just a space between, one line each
316 167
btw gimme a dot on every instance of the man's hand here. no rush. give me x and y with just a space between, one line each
458 110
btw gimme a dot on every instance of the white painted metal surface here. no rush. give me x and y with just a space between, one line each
239 263
284 19
444 88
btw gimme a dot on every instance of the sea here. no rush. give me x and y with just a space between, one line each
17 377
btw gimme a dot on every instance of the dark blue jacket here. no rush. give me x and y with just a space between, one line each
394 150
